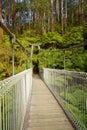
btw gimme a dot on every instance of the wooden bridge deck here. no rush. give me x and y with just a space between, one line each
45 113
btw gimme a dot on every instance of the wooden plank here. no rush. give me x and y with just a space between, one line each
45 112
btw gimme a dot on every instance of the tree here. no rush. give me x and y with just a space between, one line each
13 13
18 16
51 16
62 16
1 31
7 13
40 9
57 10
81 11
65 17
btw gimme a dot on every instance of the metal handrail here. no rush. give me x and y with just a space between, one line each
70 89
12 35
15 92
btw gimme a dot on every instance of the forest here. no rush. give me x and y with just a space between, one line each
54 24
60 28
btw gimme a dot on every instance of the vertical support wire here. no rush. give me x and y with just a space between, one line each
12 57
0 115
65 74
86 96
3 101
11 127
25 60
64 59
6 111
49 62
18 112
31 56
16 104
13 106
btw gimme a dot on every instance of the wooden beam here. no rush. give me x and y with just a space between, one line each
35 44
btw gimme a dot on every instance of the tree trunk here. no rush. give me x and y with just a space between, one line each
81 12
19 14
1 30
0 10
43 24
13 13
51 16
62 17
48 23
57 10
65 16
7 13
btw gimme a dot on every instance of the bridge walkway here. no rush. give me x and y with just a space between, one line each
45 113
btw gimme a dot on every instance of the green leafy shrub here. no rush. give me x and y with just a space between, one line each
75 36
51 39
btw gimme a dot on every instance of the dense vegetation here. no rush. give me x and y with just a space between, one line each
75 59
47 23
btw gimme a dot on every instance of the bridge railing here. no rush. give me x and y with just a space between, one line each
14 95
70 89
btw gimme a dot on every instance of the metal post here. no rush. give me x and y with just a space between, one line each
29 60
64 59
53 59
49 59
13 41
0 115
3 112
86 104
31 56
12 58
65 74
39 47
25 60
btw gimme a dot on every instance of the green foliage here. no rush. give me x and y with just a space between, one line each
20 7
51 59
38 6
85 61
85 31
51 39
77 98
6 58
57 27
75 36
76 101
78 116
69 98
75 59
28 38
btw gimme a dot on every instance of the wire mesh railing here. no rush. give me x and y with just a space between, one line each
14 96
70 88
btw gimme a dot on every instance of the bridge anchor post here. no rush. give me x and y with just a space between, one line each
12 42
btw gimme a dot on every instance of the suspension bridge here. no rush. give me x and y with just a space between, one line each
51 100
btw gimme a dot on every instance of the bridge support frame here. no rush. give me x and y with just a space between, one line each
12 42
31 53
